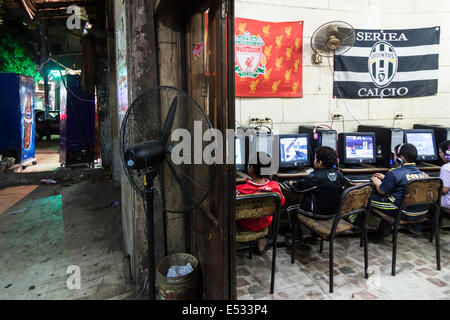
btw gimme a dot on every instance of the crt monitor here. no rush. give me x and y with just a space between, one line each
294 150
386 138
260 142
357 147
239 144
325 136
441 133
263 141
424 141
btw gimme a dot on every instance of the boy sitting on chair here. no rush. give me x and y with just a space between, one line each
390 188
258 184
324 185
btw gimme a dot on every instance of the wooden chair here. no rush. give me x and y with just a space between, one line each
354 200
254 206
426 191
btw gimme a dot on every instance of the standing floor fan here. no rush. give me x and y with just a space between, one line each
147 151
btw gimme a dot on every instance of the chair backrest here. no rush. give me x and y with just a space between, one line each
422 191
355 198
257 205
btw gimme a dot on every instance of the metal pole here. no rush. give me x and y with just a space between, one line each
149 194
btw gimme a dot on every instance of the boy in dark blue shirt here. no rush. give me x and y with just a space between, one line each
323 186
326 184
390 187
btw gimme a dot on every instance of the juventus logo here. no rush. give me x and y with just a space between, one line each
382 63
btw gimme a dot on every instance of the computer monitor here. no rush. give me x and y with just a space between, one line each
264 142
294 150
357 147
441 134
387 139
424 141
325 137
239 143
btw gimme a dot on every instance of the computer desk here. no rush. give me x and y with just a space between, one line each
241 177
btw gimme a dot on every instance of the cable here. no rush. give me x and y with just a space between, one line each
51 59
68 89
340 94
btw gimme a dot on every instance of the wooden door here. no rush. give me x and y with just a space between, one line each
209 75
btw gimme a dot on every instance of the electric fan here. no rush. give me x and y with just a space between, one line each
332 38
147 151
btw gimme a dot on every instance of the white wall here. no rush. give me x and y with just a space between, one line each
317 105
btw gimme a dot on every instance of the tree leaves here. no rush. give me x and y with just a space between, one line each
13 58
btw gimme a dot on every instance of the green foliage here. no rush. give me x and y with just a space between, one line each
14 58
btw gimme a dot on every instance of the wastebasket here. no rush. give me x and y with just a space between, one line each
178 288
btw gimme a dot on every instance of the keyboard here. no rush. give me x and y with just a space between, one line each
359 177
434 174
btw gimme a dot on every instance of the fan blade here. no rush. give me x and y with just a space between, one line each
169 121
187 198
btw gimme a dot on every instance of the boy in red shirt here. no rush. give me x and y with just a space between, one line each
258 184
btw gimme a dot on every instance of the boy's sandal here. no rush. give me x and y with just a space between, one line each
266 247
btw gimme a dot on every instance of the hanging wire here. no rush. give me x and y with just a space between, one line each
340 94
64 83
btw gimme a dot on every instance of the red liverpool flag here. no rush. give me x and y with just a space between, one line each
268 58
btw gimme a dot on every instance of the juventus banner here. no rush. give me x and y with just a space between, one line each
389 64
268 58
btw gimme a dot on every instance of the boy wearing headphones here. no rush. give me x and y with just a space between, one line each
444 153
390 187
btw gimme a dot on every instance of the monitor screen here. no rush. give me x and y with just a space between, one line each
293 149
264 143
423 141
396 138
359 147
239 155
329 139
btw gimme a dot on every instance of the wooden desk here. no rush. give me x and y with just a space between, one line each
368 169
428 167
241 177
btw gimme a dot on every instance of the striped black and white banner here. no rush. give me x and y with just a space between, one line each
389 64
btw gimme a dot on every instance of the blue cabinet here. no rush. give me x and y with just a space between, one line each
17 117
77 123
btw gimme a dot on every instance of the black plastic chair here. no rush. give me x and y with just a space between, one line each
257 205
354 200
425 191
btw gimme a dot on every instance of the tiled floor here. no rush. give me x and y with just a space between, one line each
56 227
417 276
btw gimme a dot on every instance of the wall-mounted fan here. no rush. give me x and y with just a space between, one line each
332 38
147 151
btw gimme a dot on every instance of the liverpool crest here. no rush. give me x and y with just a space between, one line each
250 59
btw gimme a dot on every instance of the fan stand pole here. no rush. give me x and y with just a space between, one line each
148 190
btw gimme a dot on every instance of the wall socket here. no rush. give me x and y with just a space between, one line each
259 118
336 115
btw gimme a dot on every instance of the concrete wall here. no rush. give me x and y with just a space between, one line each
128 208
317 105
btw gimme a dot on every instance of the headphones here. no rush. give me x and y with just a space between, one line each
315 134
399 160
